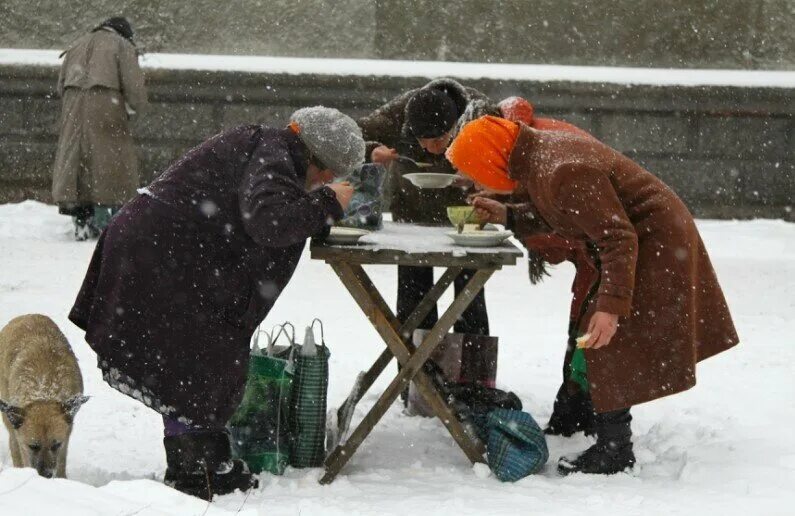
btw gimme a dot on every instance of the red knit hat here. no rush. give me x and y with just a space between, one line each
481 151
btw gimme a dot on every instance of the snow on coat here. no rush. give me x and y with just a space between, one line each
654 270
184 274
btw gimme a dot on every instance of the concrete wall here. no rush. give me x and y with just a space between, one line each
743 34
727 151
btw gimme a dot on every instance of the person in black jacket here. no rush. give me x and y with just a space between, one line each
420 124
188 269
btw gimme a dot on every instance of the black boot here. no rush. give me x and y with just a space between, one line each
84 229
200 464
571 413
612 452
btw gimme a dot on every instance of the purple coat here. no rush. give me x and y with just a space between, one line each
183 275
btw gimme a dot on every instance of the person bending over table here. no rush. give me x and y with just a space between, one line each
655 309
187 270
420 124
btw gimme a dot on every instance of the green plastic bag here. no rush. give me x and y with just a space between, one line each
308 402
578 369
260 426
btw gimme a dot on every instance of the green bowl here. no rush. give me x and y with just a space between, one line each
458 213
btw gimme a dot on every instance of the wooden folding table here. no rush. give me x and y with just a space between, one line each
410 245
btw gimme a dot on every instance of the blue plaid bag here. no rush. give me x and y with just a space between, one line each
515 444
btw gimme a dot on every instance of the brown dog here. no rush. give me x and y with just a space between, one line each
41 390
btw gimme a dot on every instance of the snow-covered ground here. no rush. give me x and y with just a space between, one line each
725 447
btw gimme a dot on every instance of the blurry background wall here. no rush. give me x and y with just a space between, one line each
727 151
746 34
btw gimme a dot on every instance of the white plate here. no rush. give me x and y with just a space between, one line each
480 238
430 179
340 235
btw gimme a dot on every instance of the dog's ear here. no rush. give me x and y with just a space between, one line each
73 404
15 415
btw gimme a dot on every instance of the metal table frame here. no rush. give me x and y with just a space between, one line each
347 262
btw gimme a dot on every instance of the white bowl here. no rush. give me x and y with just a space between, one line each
487 238
430 179
341 235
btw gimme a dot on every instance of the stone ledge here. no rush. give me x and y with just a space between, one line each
726 151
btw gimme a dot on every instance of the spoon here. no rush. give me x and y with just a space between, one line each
463 222
409 161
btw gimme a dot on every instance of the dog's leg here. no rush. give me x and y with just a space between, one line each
61 470
16 457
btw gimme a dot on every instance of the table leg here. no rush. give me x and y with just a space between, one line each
403 349
373 305
408 327
428 302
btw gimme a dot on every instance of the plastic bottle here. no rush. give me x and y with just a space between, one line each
309 348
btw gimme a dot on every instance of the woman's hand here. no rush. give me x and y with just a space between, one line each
344 193
489 210
383 155
601 327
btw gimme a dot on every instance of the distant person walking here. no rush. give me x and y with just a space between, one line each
102 86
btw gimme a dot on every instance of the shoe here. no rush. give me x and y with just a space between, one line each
571 413
82 217
82 233
101 217
568 424
200 464
612 452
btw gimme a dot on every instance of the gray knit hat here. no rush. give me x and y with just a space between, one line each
333 137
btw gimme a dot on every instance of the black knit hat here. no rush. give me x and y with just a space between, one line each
120 25
430 113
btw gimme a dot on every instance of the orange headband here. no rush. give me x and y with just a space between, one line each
481 151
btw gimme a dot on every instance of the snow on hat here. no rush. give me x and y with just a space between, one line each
331 136
430 113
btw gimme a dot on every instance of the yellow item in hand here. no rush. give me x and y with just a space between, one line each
582 340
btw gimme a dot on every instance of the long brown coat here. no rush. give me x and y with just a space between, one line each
654 270
96 161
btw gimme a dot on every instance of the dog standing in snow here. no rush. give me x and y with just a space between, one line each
41 390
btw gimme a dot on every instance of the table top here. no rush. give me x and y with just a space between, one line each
409 244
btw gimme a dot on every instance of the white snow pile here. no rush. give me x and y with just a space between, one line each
724 447
433 69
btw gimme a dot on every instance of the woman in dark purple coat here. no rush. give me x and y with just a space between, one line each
186 271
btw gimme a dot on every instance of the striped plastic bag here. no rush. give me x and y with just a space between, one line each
308 401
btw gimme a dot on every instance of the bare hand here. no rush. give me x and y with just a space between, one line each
383 155
344 193
601 327
489 210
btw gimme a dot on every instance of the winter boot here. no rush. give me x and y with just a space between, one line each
82 218
102 217
571 413
200 464
612 452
